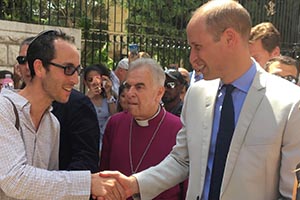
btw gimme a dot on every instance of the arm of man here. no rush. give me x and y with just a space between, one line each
129 183
173 170
17 177
290 151
152 181
106 188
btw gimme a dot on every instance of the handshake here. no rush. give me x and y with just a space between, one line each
112 185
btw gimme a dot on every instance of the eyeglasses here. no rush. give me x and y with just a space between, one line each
69 70
21 60
170 85
289 78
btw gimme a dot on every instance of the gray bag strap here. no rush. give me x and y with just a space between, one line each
17 124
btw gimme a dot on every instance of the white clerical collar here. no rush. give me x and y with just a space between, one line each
145 122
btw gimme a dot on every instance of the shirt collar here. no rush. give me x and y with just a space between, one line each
244 82
18 99
145 122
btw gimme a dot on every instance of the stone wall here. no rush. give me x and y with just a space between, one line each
13 33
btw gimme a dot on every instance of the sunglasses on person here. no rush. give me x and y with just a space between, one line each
291 78
69 69
21 60
170 85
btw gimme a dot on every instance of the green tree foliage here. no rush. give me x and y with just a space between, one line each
89 15
159 28
284 14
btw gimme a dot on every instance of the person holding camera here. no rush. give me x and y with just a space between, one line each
96 78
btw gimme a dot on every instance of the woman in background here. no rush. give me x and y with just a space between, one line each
96 79
122 101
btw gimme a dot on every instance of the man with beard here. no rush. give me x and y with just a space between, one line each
173 86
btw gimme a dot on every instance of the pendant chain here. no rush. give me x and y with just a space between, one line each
148 145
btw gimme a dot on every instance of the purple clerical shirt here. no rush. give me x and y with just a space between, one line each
115 150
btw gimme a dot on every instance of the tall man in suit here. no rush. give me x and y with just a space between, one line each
265 145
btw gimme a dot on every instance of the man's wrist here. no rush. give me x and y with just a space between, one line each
134 187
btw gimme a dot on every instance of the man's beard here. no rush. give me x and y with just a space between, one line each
168 99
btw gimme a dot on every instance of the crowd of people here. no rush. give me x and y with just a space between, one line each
226 130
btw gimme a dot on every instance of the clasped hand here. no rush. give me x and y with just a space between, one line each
112 185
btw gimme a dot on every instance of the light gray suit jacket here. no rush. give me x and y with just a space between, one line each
264 150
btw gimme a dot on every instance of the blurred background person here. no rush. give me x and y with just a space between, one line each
122 101
284 66
185 74
174 84
4 75
21 70
264 42
118 75
96 79
134 56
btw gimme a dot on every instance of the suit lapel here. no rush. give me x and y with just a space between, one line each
253 99
211 90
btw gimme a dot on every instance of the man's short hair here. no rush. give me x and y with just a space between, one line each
269 35
230 15
42 47
123 64
155 68
26 41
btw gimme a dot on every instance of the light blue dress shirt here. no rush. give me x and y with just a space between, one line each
239 94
